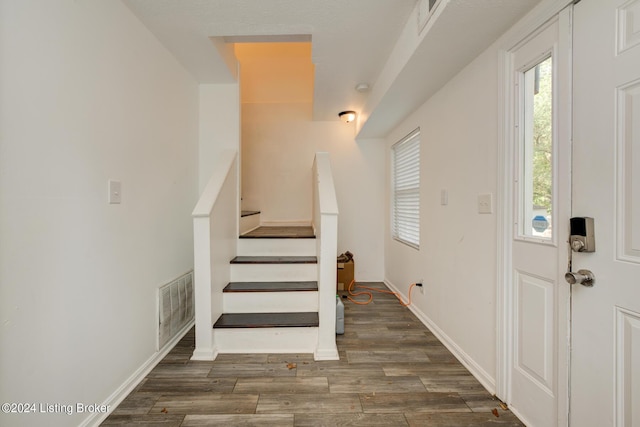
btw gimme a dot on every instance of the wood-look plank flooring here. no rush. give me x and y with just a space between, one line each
392 372
284 232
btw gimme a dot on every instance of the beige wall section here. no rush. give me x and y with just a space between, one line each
278 145
219 126
276 72
457 256
87 94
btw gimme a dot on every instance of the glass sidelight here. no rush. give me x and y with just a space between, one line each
535 216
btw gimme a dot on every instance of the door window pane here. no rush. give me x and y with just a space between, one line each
536 176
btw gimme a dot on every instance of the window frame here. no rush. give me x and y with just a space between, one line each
522 221
407 231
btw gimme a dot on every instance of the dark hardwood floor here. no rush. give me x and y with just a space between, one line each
392 372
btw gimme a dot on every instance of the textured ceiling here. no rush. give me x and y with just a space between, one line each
351 39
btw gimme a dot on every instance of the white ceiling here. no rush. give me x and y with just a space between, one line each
353 41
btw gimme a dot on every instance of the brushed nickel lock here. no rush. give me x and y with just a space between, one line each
582 237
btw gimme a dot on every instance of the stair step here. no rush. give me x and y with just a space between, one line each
270 302
266 340
273 272
267 320
288 232
275 260
271 286
279 247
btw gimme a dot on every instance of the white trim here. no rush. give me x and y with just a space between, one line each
132 382
326 355
565 97
467 361
205 354
504 229
242 233
546 10
248 223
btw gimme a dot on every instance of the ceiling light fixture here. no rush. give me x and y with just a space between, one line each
362 87
347 116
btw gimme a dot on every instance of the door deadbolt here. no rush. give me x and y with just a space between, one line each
582 238
583 277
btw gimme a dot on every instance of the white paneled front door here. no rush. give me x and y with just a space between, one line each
539 68
605 357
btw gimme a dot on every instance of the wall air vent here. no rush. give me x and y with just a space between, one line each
175 308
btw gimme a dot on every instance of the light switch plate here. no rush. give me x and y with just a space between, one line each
444 197
485 203
115 192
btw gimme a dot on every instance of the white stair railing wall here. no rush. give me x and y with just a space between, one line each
325 223
215 234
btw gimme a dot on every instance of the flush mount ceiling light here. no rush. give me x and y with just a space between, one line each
362 87
347 116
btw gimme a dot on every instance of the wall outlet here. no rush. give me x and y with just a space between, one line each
420 286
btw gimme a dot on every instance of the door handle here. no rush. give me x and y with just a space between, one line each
583 277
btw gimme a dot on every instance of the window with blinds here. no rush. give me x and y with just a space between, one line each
406 190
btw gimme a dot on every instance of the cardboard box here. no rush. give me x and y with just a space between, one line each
345 274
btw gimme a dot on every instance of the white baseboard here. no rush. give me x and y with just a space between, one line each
243 232
205 355
249 223
326 355
366 279
132 382
476 370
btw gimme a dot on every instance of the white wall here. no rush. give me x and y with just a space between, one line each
87 94
219 126
457 256
278 145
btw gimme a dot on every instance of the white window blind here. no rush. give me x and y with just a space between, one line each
406 190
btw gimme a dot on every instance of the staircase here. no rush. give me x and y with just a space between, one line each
271 303
273 289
